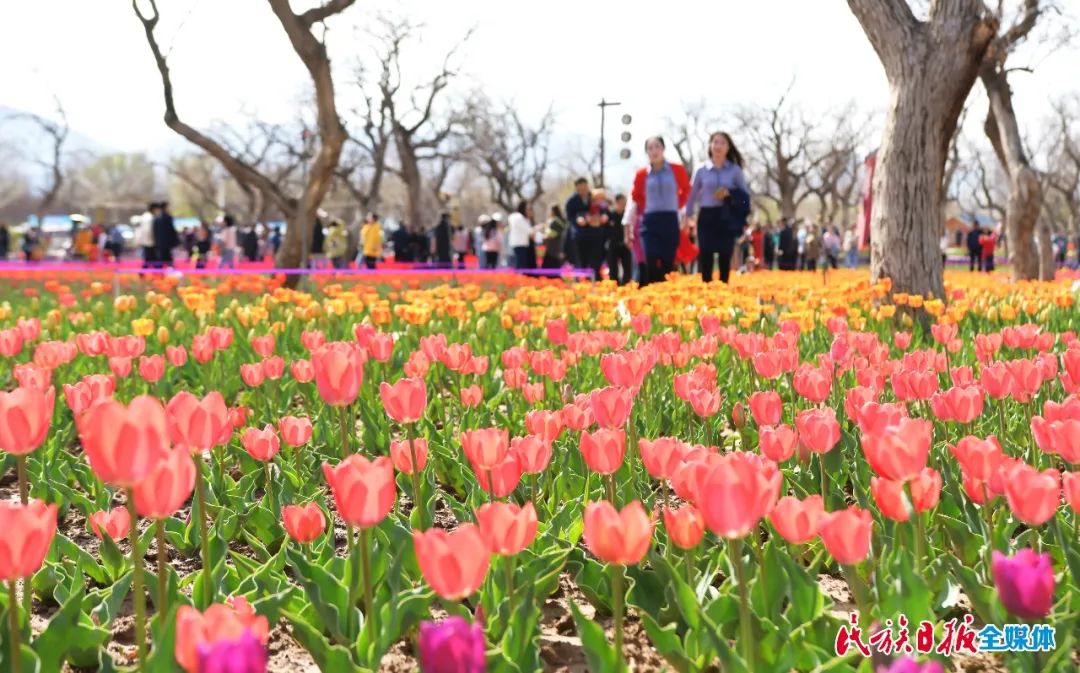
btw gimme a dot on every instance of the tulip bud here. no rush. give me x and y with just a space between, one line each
738 416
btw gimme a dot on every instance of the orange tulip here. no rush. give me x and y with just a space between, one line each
364 491
766 407
405 400
302 370
124 443
545 423
151 368
846 534
453 564
303 523
115 522
252 374
25 415
401 455
167 487
471 396
818 429
339 371
506 528
295 430
1033 496
611 406
662 456
503 478
899 451
891 500
220 622
28 534
533 453
777 442
485 448
273 367
685 526
622 538
196 424
797 521
261 444
1070 482
737 492
263 345
603 450
177 355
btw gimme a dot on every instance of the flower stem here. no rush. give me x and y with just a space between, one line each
365 561
858 591
204 532
24 484
138 597
13 623
343 423
824 479
735 549
617 610
162 568
418 498
270 488
688 556
611 489
510 581
491 485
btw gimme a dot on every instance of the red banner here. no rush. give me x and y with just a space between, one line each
863 230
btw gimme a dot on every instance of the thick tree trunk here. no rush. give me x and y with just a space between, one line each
410 175
931 66
1025 194
1044 241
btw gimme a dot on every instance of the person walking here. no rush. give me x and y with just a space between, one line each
442 241
974 246
831 243
620 260
660 193
5 241
788 246
337 243
851 248
491 245
720 189
371 241
228 243
165 236
811 248
577 209
520 239
987 241
144 235
554 238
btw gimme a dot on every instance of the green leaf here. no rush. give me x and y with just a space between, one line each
327 594
112 558
106 602
70 632
599 654
807 601
68 549
667 643
327 656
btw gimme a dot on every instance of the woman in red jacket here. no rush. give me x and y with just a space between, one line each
659 195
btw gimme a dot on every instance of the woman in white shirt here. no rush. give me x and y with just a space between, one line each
228 243
521 239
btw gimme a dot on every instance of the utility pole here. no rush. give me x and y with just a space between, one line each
604 105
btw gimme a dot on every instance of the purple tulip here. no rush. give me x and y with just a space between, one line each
909 665
452 646
243 655
1025 583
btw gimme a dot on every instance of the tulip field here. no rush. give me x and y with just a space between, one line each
497 473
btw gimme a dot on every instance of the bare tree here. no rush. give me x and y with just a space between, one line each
985 186
300 211
783 152
421 131
834 177
56 133
689 133
1063 177
363 166
511 153
931 65
1032 251
14 186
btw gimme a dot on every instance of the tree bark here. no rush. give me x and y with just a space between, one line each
931 66
1025 193
410 175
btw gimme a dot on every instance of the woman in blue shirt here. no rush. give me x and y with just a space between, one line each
721 192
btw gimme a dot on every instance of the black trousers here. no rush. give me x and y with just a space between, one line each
620 262
726 246
524 257
591 254
491 259
975 260
369 261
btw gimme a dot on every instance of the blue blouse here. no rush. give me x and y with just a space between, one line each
710 178
661 192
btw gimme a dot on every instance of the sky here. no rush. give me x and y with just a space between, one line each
231 57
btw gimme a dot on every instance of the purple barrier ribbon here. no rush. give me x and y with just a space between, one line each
63 267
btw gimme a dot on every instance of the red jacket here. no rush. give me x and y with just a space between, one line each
682 186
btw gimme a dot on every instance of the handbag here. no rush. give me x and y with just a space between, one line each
687 250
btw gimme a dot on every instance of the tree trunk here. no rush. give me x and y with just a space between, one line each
1025 193
410 175
931 66
1044 241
